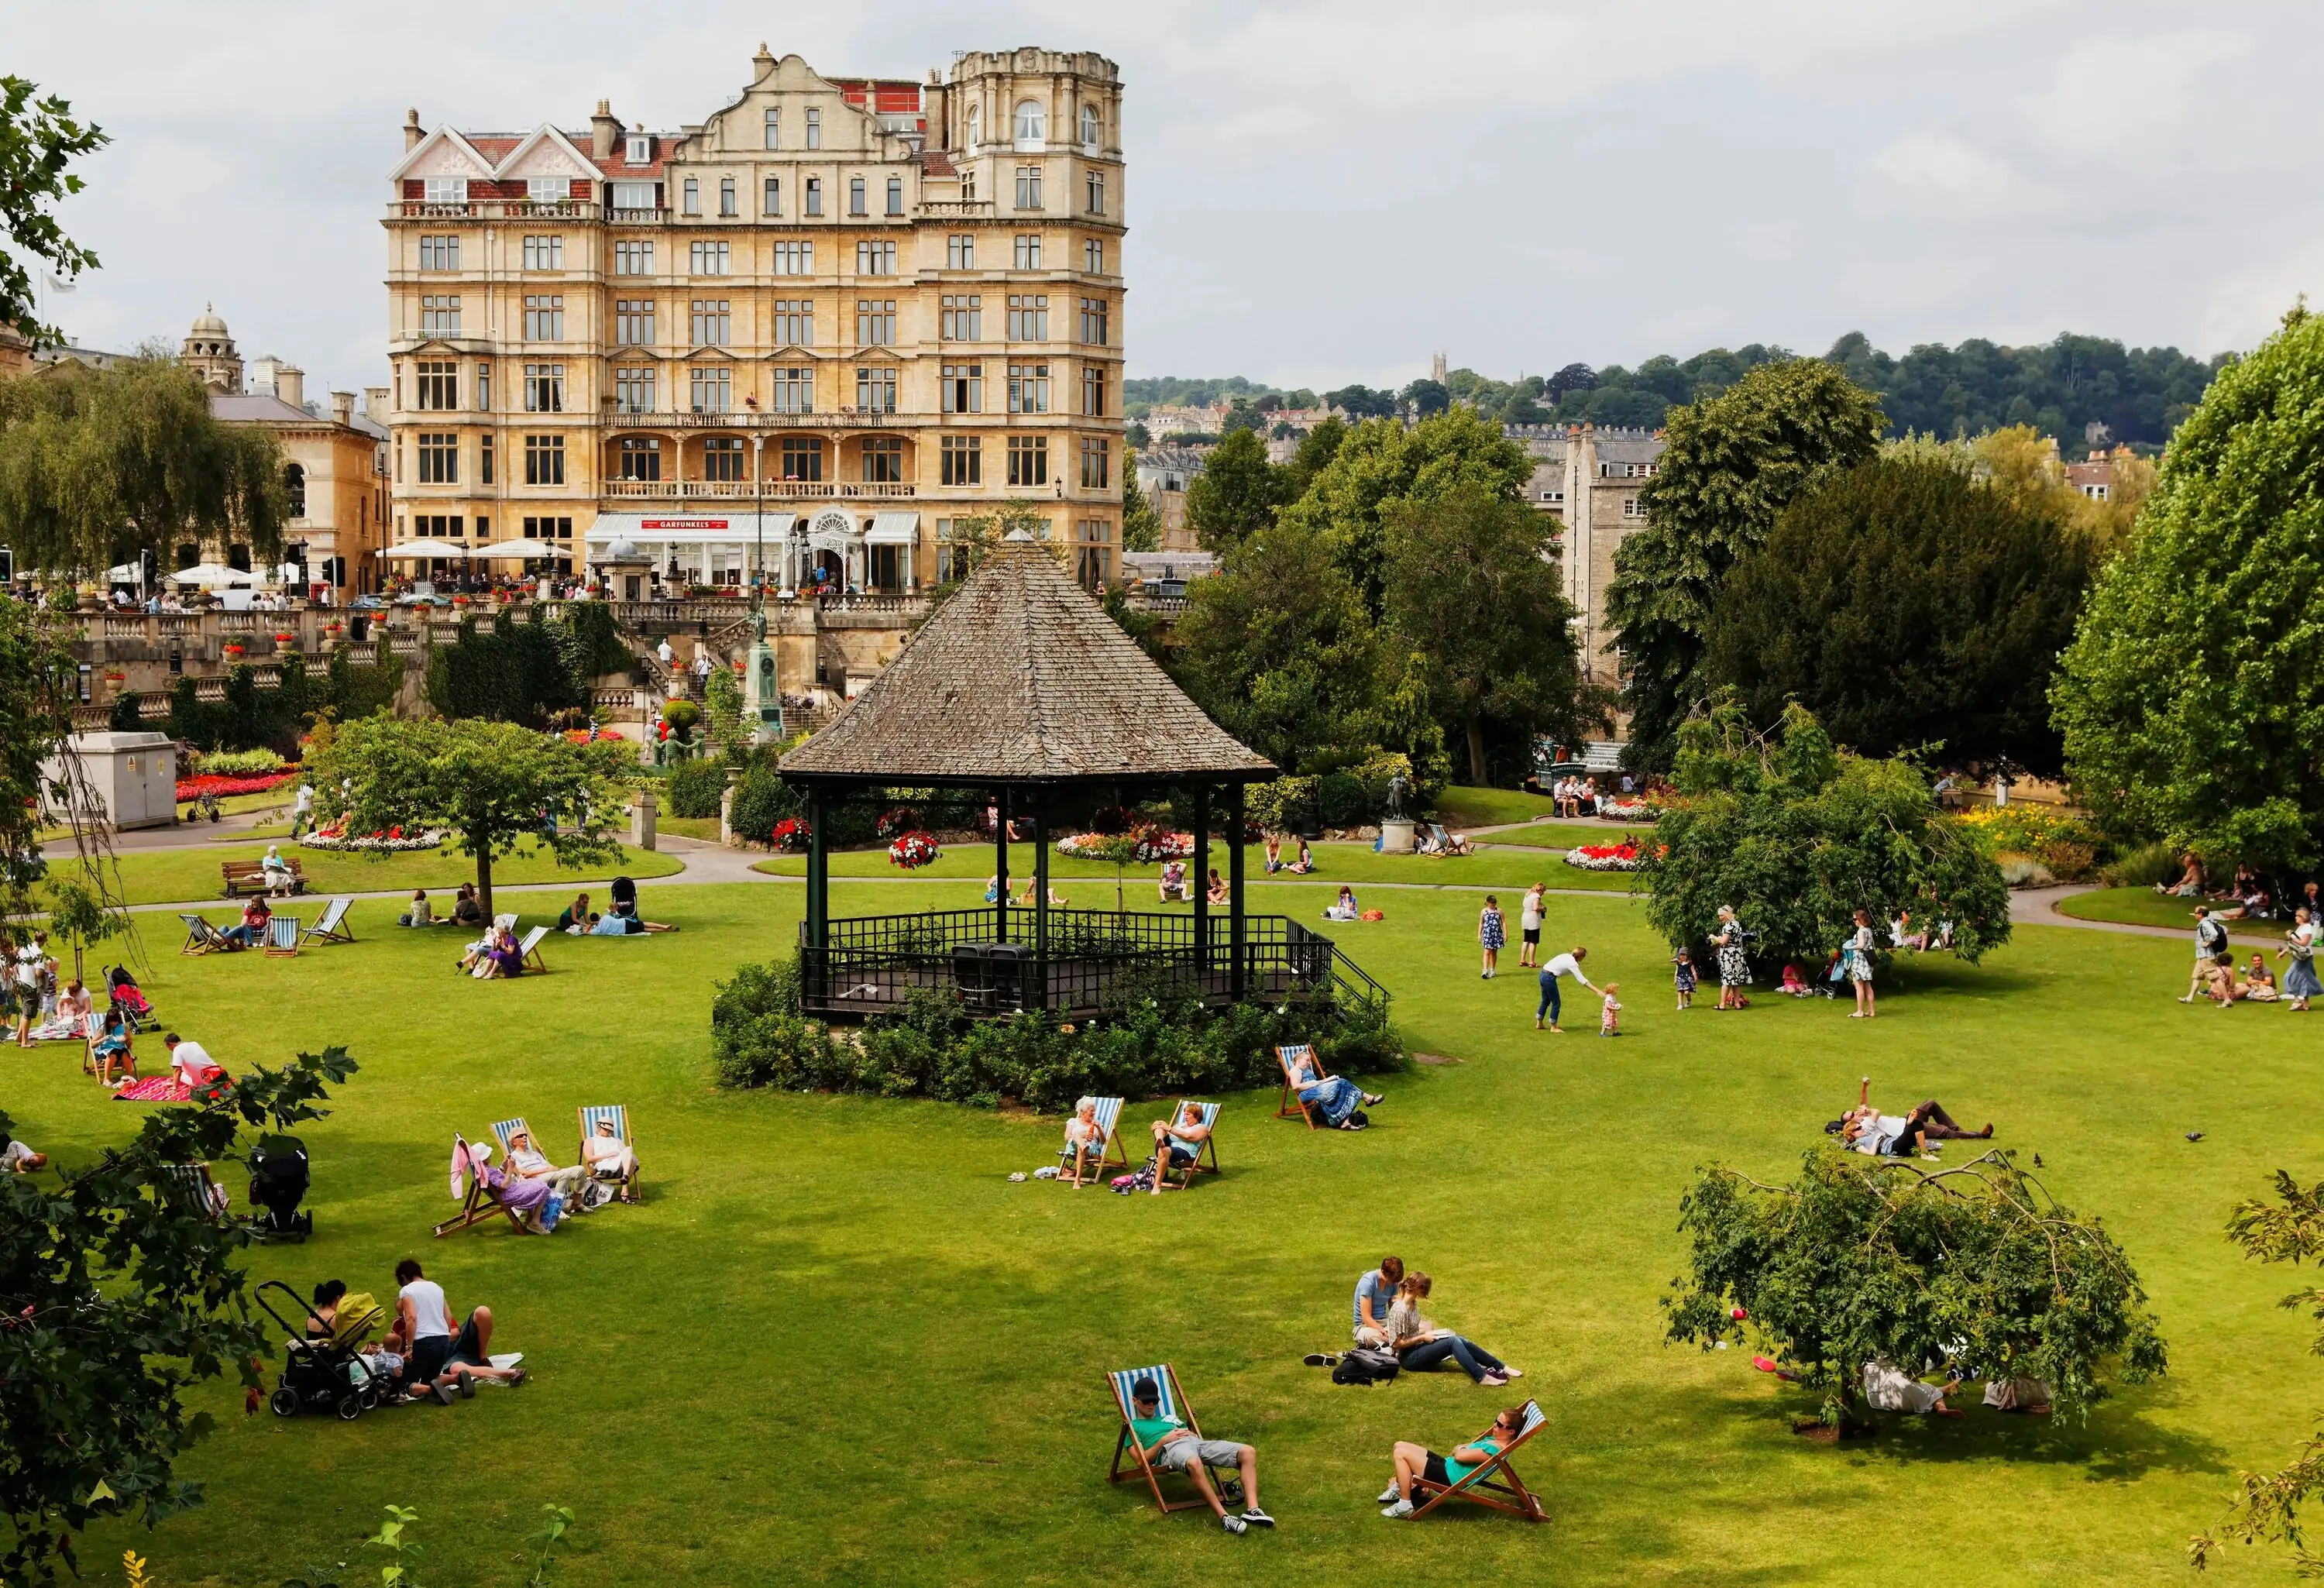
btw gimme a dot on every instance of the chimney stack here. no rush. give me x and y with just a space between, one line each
605 131
375 403
343 408
412 132
291 386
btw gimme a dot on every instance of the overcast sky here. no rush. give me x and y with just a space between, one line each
1318 192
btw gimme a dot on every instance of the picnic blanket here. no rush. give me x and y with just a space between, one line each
156 1089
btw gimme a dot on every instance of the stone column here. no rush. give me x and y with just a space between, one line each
643 807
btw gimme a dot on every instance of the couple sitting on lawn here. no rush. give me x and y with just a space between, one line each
1389 1319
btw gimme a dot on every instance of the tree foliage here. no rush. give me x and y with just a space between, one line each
2189 703
2058 388
1472 594
1974 1267
490 786
39 138
1141 520
1905 605
98 467
38 691
1236 494
121 1296
1798 836
1734 462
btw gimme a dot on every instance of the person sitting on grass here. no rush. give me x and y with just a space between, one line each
575 914
195 1067
1218 888
1421 1347
1375 1296
2258 983
1793 987
420 913
1884 1135
1172 1447
1415 1463
1085 1141
1305 863
1344 908
467 909
2220 979
250 931
1274 861
1176 1142
1336 1096
2190 884
1901 934
70 1022
436 1360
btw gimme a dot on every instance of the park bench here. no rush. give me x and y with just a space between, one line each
242 875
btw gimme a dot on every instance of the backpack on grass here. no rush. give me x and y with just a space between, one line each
1365 1365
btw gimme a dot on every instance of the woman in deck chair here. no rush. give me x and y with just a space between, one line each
1418 1461
1085 1141
609 1157
112 1053
1336 1096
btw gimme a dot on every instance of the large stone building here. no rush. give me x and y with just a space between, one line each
835 316
1589 479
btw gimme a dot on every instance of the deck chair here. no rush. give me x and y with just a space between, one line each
333 925
283 937
481 1202
529 951
192 1188
201 937
503 1129
1291 1107
1172 1405
1527 1503
1111 1154
620 1119
1208 1146
506 923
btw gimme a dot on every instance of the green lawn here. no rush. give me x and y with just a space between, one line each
1356 864
162 876
837 1345
2144 907
1565 834
1465 805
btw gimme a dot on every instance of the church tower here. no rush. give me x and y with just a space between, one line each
209 353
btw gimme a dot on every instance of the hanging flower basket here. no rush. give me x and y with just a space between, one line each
914 850
1604 857
791 834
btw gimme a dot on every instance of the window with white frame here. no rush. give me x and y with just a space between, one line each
439 316
726 199
975 126
962 390
815 195
1029 251
772 200
894 195
875 259
638 198
633 259
774 129
713 322
712 259
634 322
444 190
1032 123
712 390
875 388
640 150
1029 187
1633 508
544 460
795 259
1028 388
1097 464
483 386
875 322
960 250
439 253
1089 128
794 390
1028 317
544 388
634 390
544 318
693 191
794 322
544 253
962 317
440 383
548 190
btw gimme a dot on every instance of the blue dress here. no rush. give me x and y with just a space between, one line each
1493 935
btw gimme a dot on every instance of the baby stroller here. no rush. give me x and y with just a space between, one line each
123 994
278 1184
323 1371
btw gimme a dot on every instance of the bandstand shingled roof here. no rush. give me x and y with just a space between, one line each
1021 678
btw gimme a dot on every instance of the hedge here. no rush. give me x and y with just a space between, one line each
760 1038
696 787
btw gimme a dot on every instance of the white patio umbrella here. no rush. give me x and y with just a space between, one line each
422 550
207 574
507 550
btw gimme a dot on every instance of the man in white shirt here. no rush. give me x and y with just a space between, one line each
193 1061
435 1362
665 652
1565 965
302 809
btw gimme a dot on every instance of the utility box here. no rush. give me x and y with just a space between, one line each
132 776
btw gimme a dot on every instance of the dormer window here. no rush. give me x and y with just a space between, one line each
1032 123
547 189
447 190
641 149
1089 128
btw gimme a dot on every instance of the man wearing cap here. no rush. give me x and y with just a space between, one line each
1172 1447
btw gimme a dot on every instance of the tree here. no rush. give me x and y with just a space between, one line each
1141 520
2267 1505
38 692
1858 1259
1426 396
1904 606
39 138
81 916
1243 415
518 673
489 786
1798 837
1573 377
2190 701
1471 591
722 693
1379 464
124 1293
98 466
1734 462
1361 403
1236 494
1317 448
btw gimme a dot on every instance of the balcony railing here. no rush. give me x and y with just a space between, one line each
748 490
745 418
496 209
960 209
636 217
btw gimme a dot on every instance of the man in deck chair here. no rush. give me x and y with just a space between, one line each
1442 1476
607 1150
1179 1142
1168 1445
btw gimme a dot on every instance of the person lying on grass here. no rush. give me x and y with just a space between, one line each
1085 1141
1176 1140
1876 1134
1890 1388
1421 1347
16 1158
1336 1096
1172 1447
1418 1461
435 1362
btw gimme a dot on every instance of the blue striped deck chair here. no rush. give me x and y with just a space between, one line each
1519 1502
504 1129
1291 1106
1208 1146
1108 1118
191 1188
201 937
332 928
619 1117
283 937
1172 1405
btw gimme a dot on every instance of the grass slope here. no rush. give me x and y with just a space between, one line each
2144 907
836 1345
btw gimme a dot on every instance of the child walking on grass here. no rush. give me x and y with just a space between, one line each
1610 1021
1683 978
1492 932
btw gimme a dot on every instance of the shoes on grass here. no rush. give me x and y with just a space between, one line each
1391 1495
1258 1517
1235 1525
1398 1511
1321 1359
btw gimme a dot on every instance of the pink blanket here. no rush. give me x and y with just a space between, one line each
154 1089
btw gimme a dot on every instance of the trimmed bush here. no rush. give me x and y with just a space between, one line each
760 1038
696 787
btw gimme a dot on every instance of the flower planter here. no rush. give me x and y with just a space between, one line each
231 652
286 639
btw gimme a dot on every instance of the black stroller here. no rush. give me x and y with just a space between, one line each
278 1184
322 1371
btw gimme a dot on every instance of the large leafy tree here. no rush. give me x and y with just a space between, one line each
521 672
1734 462
1974 1267
38 692
1236 494
1798 837
2190 702
40 138
1904 605
122 1294
1471 592
1141 520
98 465
1380 465
489 786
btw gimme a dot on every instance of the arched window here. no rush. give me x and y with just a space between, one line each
1032 123
975 125
294 484
1089 127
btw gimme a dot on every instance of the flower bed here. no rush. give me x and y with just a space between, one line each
211 783
394 840
1604 857
1628 810
1148 845
914 850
